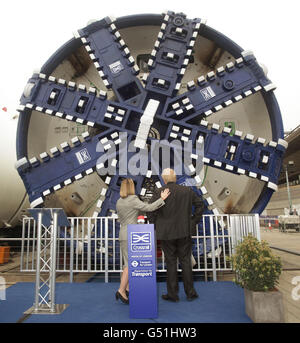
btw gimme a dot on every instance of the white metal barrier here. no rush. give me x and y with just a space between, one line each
91 245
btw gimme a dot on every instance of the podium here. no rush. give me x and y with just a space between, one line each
48 220
142 271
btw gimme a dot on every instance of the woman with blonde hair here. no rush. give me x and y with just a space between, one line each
128 208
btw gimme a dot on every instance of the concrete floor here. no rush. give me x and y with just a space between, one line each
288 241
11 273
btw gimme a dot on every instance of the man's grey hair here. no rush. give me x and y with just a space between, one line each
168 175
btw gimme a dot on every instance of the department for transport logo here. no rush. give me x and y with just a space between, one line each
83 156
134 264
140 241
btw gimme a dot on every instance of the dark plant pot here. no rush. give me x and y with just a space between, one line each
264 307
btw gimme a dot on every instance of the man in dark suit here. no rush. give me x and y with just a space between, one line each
175 224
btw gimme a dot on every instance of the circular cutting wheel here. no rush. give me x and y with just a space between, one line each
150 77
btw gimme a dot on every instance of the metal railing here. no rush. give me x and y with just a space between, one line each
241 226
91 245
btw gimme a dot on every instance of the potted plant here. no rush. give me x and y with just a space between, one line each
257 271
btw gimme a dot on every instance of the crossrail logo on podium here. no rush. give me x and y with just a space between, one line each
140 241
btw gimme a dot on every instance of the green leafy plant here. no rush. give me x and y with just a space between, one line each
256 267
